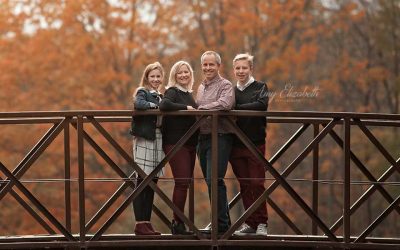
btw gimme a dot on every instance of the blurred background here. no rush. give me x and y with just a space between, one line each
315 55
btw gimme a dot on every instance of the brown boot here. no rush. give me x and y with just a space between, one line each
141 228
150 227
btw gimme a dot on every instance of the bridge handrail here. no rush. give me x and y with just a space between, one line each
328 120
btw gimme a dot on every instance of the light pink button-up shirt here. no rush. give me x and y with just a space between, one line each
217 94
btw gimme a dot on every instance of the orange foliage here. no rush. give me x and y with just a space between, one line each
89 54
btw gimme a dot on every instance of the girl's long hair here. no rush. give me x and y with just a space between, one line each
144 81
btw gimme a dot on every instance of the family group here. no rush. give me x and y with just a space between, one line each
154 136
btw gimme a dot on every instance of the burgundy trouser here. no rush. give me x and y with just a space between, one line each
250 173
182 165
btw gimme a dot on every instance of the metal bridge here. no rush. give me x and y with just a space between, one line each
75 230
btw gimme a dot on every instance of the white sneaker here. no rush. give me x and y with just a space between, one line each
245 230
206 230
262 229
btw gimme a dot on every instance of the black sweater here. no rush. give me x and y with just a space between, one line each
254 97
174 127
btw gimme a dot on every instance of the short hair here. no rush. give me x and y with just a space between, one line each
174 70
245 56
210 52
144 82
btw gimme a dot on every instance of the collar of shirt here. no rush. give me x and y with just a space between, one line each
243 87
212 81
155 94
182 88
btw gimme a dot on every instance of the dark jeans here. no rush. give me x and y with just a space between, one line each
182 165
143 204
250 173
224 151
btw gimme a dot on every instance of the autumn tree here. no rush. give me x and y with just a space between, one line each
89 54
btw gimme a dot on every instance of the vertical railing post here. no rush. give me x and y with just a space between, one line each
315 174
214 178
67 177
346 187
81 179
191 201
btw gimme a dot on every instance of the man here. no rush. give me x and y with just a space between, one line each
215 93
250 172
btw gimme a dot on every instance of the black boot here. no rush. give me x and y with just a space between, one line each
179 228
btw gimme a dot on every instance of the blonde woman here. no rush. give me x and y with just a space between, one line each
147 143
178 96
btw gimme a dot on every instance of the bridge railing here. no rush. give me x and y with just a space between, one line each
322 125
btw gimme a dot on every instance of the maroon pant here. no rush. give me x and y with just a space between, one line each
182 165
250 173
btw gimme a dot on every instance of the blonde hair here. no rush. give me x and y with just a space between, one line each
174 70
245 56
144 82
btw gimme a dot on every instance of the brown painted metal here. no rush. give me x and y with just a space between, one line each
147 180
35 202
285 218
366 195
116 168
155 187
22 167
289 143
81 179
384 177
31 211
214 179
61 121
191 200
279 179
121 173
67 176
273 244
365 171
346 186
162 216
315 191
378 220
272 114
277 155
31 121
378 145
370 177
33 155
